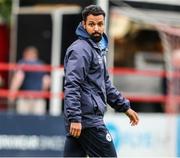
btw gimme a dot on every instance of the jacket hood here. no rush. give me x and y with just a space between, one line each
83 34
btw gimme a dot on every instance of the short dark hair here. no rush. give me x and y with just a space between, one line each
92 9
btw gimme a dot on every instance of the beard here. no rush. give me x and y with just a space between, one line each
96 37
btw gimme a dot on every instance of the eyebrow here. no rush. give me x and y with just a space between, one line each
95 22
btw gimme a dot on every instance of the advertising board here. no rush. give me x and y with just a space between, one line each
155 136
31 135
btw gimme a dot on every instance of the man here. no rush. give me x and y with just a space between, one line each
32 81
88 89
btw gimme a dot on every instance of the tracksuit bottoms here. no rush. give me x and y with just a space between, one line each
93 142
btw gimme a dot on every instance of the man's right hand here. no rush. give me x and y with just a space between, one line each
75 129
133 116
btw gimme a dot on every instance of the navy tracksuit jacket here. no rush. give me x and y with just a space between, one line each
87 85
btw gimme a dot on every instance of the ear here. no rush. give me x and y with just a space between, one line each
84 24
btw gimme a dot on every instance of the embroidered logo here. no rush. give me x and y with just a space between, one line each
108 137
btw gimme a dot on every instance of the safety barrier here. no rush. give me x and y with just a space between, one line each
24 93
135 97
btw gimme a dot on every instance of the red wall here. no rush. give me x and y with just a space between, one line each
4 57
4 47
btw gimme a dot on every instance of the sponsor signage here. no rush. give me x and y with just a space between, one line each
31 135
155 135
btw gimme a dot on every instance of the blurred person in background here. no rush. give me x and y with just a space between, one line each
1 81
88 89
30 80
174 106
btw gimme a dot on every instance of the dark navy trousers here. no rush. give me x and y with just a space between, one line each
93 142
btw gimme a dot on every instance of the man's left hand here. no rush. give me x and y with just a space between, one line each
133 116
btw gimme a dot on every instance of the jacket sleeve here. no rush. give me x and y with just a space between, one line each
76 68
114 97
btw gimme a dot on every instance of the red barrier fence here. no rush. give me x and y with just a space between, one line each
114 71
8 67
34 94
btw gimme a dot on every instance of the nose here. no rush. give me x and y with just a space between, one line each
96 28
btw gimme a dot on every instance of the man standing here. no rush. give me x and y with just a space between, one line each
32 81
88 89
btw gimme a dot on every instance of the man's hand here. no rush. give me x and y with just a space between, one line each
75 129
133 116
